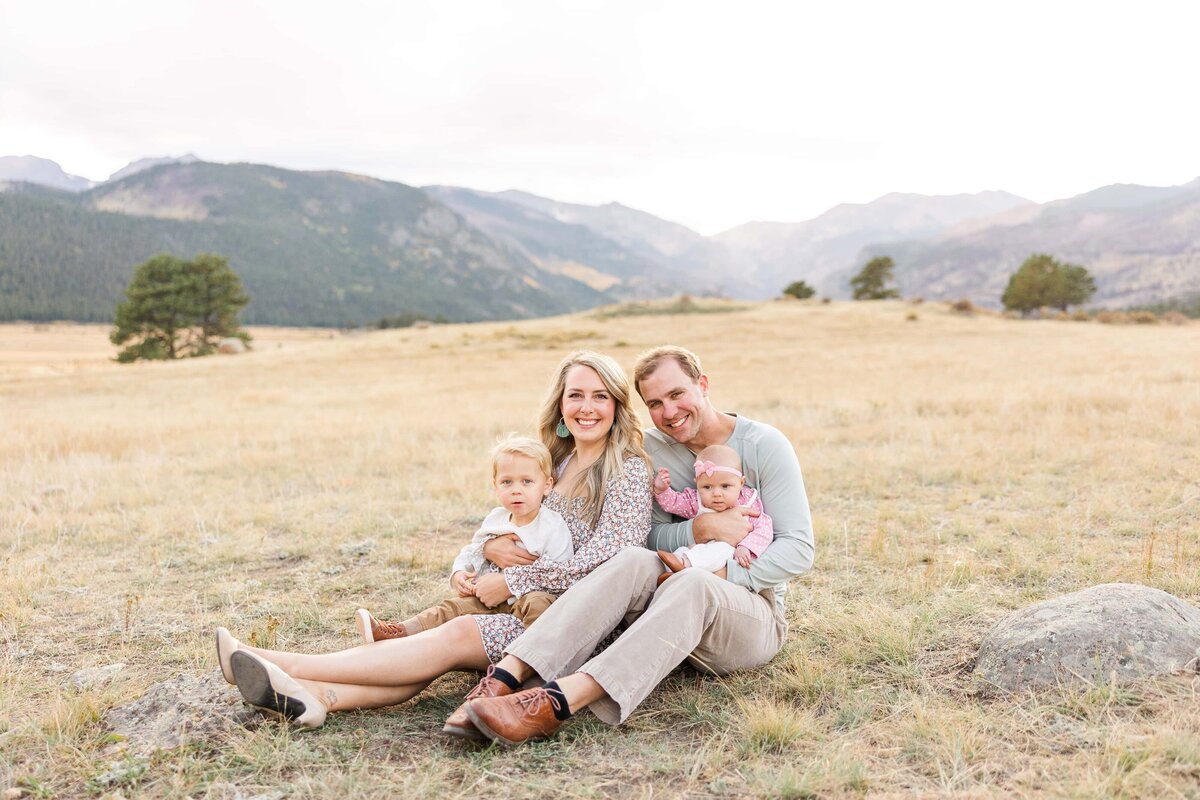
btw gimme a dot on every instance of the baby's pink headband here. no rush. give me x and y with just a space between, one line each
708 468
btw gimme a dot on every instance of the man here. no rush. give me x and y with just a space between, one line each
720 622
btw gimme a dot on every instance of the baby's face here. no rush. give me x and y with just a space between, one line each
720 490
520 484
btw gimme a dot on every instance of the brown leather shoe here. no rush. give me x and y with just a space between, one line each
673 562
661 578
458 723
374 630
517 718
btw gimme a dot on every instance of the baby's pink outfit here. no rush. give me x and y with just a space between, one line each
712 556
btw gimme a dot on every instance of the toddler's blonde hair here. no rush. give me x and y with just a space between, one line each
523 446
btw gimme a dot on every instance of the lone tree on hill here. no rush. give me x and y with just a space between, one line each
176 308
799 290
871 282
1043 281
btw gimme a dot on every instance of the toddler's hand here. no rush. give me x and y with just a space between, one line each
463 582
662 481
742 555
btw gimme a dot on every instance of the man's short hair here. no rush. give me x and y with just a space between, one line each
523 446
648 361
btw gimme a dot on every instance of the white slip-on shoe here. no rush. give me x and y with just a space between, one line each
362 618
264 685
226 647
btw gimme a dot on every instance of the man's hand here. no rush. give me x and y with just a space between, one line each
742 555
504 552
492 590
463 582
729 526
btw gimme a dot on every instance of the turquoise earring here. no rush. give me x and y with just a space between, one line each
561 429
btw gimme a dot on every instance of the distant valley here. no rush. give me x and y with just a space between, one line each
337 249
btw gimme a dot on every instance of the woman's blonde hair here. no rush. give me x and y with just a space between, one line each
624 438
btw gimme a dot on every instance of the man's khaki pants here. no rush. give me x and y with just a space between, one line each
718 626
527 608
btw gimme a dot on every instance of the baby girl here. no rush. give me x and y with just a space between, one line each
720 485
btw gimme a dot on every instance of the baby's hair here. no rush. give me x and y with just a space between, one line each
721 454
523 446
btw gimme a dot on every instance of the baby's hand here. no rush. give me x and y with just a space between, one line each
662 481
463 582
742 555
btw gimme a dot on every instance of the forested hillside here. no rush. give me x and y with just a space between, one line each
311 248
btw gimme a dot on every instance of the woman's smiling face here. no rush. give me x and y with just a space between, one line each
588 407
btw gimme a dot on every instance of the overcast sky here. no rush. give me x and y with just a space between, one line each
710 115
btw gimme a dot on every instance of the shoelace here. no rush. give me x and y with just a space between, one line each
483 689
531 701
390 629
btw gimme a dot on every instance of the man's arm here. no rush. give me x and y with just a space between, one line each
781 488
667 534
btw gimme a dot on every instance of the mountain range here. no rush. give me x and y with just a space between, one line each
333 248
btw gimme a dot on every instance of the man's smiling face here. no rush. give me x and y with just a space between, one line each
678 405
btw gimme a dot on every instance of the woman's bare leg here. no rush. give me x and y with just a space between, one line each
349 696
392 663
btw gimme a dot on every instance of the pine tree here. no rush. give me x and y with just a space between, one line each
799 290
1041 281
871 282
177 308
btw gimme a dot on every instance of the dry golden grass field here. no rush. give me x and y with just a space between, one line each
958 467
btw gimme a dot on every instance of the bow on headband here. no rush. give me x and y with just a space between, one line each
708 468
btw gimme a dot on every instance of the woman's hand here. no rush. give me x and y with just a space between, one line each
492 590
463 582
729 526
504 552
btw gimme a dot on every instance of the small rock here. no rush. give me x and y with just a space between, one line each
57 666
181 710
95 677
358 549
14 793
1116 629
126 771
231 346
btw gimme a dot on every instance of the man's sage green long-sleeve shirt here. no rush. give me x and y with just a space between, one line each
770 465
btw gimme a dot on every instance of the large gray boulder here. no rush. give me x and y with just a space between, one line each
184 709
1120 629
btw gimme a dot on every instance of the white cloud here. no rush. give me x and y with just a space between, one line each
710 114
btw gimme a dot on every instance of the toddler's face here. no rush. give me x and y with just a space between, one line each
520 484
720 490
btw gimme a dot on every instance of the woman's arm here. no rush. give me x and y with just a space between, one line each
504 552
624 522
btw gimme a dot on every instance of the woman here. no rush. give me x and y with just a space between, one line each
603 492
